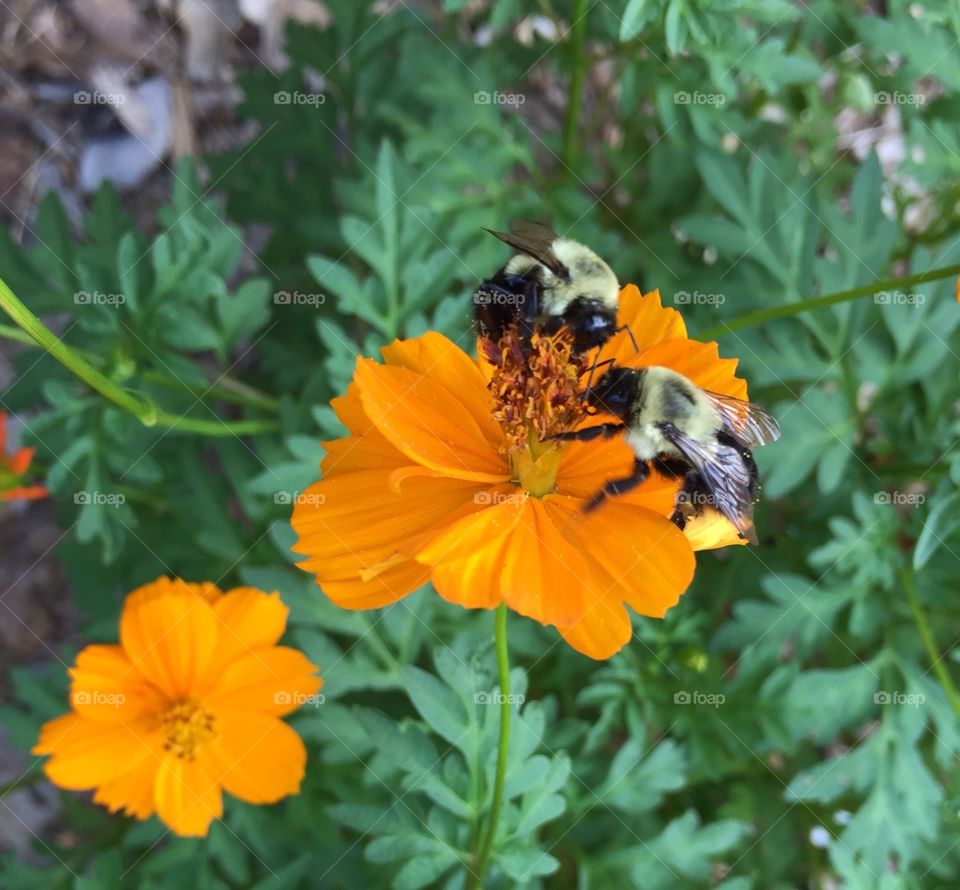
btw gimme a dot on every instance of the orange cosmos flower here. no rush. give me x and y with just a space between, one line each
188 704
13 467
444 478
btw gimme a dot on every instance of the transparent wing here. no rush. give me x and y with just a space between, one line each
725 474
747 423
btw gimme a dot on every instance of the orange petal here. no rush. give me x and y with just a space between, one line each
276 680
249 619
587 466
132 791
649 322
634 556
711 531
187 795
354 526
434 356
258 757
30 493
509 552
20 462
700 362
169 632
106 687
428 423
86 753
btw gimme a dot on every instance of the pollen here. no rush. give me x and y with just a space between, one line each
535 385
187 727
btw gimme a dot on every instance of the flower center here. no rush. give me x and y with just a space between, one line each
536 394
187 727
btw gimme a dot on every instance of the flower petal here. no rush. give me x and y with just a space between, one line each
131 791
187 795
86 753
428 423
649 322
276 680
698 361
711 531
106 687
509 552
249 619
258 758
169 631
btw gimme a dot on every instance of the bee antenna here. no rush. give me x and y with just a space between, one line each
633 340
593 370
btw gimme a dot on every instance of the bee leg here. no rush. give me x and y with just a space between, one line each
633 339
641 471
607 430
691 498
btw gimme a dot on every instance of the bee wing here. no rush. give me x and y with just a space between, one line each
749 424
725 474
534 240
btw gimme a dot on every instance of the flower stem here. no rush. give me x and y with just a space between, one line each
864 290
579 62
936 659
140 406
503 665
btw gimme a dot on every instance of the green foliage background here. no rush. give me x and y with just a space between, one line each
374 200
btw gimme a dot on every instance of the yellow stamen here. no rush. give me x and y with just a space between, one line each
187 727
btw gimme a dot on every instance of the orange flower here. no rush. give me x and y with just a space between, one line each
13 467
187 704
444 478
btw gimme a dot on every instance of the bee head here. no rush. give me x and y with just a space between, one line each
614 392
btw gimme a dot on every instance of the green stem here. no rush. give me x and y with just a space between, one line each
864 290
936 659
578 30
142 408
503 665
